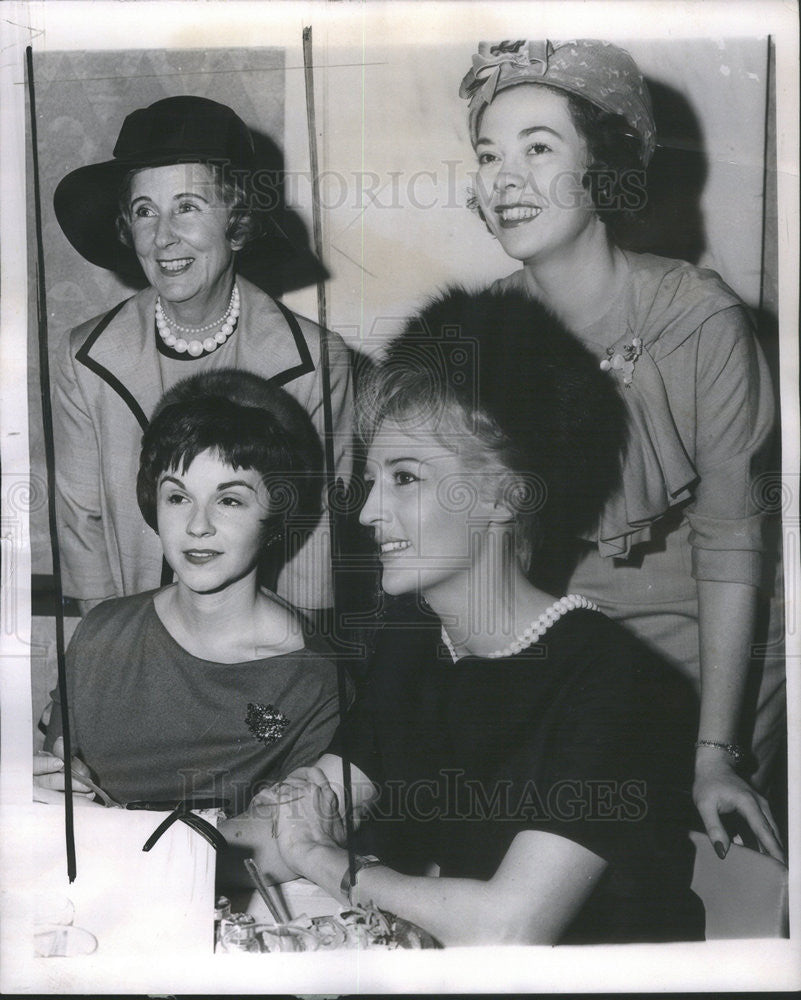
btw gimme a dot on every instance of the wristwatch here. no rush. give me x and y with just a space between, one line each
360 862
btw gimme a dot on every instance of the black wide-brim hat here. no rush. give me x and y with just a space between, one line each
182 129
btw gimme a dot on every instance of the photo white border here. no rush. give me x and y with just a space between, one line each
53 26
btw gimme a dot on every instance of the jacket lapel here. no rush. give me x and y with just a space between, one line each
272 343
120 350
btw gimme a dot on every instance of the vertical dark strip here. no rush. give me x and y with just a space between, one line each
322 317
333 488
47 424
766 162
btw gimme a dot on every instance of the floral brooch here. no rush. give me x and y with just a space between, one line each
623 360
266 723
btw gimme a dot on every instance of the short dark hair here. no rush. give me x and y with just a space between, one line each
243 224
249 424
500 372
615 177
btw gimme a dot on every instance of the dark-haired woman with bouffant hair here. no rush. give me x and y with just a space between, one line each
563 134
517 758
207 688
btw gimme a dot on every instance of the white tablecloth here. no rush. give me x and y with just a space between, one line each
134 903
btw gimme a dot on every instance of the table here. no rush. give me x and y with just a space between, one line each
131 902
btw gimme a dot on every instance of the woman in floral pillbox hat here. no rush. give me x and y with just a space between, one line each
206 688
563 132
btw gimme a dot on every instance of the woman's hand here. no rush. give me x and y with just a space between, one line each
308 818
718 790
264 803
48 776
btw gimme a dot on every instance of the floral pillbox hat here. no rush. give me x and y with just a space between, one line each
600 72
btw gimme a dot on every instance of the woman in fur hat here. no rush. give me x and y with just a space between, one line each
520 763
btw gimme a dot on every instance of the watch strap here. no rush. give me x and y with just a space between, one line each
349 879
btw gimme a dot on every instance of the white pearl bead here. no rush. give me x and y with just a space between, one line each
535 631
196 347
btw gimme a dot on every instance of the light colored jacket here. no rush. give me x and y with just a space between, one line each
107 383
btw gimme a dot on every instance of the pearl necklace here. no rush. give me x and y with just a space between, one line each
227 324
536 630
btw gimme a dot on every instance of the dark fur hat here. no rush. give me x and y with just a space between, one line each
524 386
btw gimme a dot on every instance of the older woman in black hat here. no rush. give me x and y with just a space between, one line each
177 201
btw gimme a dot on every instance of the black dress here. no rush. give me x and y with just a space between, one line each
585 735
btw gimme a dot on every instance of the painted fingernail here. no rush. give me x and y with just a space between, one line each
720 850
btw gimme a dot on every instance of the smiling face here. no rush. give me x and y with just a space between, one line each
531 161
178 225
211 522
428 511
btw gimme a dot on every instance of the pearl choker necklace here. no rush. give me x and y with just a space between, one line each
536 630
226 324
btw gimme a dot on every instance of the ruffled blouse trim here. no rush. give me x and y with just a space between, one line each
668 300
657 472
